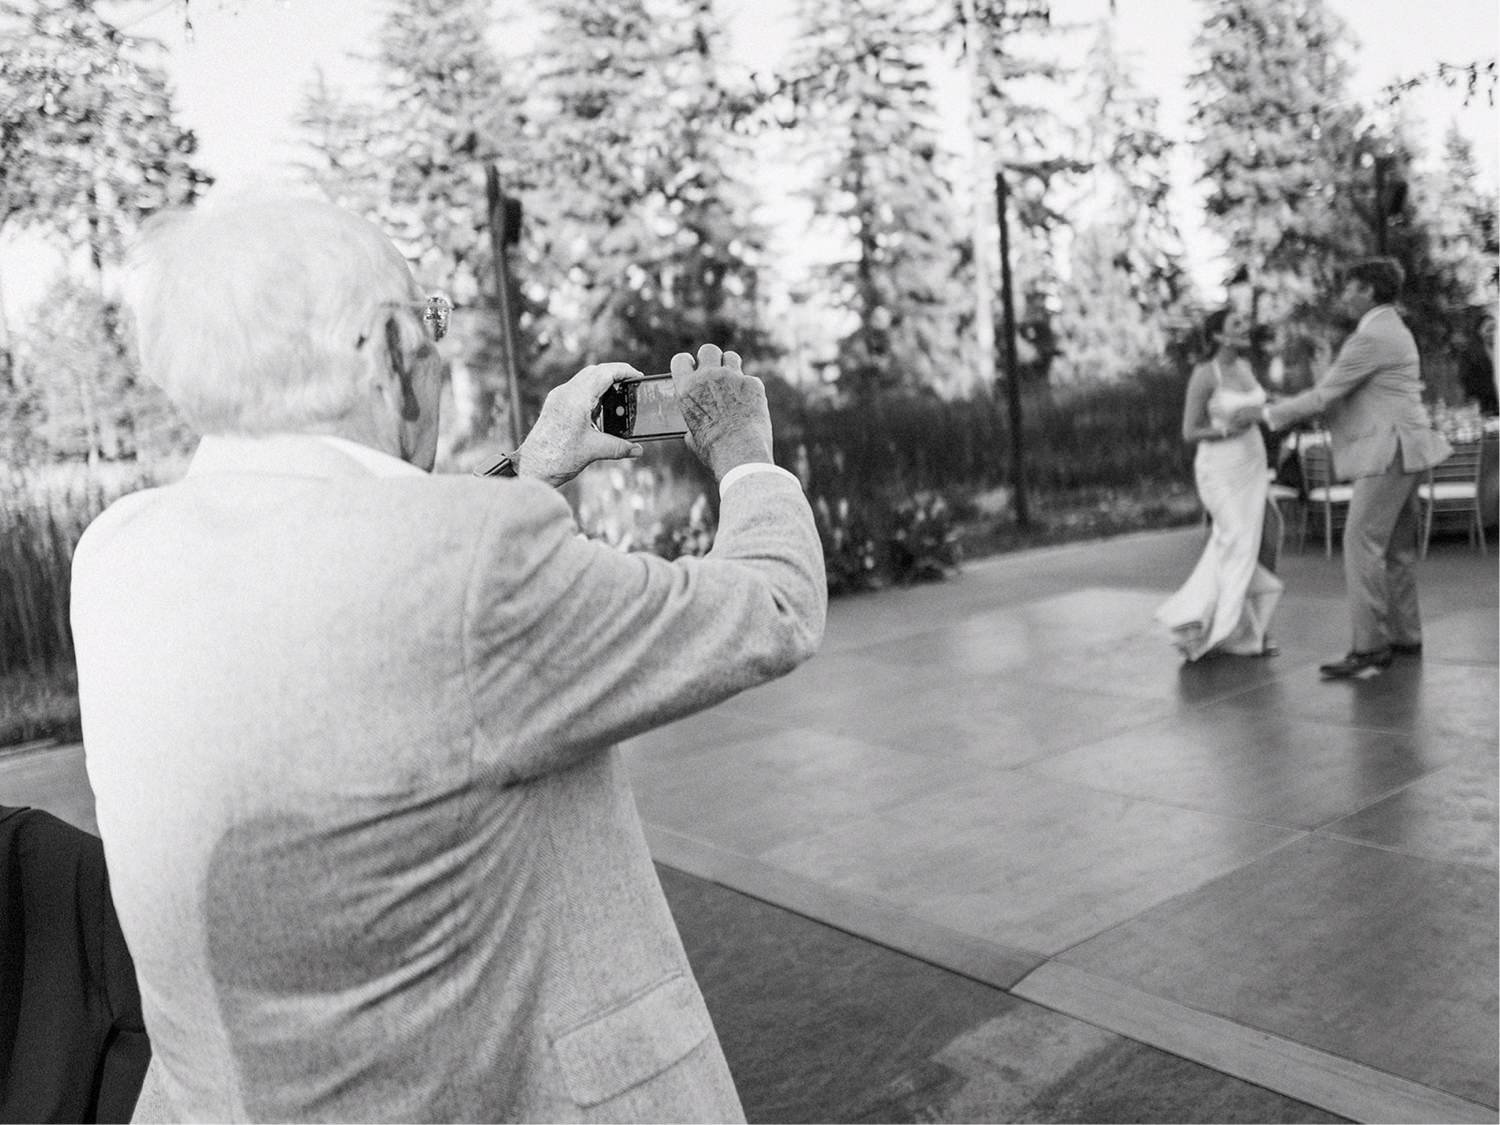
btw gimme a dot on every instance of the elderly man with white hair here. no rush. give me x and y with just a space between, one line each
351 725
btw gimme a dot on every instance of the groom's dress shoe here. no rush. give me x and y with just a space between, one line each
1357 664
1412 648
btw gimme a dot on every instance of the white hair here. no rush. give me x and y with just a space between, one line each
248 314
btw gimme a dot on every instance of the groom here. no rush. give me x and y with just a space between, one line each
1382 441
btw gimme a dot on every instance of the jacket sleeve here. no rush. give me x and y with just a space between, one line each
1356 362
571 645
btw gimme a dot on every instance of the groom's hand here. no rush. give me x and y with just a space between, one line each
1243 417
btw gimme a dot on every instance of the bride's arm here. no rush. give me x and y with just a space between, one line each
1196 424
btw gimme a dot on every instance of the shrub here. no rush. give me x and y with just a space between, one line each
849 545
39 705
690 533
42 516
1111 434
924 539
646 505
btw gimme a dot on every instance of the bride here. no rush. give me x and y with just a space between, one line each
1227 602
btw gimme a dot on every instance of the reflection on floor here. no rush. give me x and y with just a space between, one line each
819 1025
1013 775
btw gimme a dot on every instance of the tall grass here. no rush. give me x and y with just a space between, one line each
43 513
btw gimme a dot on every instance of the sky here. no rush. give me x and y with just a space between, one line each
240 77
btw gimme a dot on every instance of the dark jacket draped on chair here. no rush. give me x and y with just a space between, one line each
73 1045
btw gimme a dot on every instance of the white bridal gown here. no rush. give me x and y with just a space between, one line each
1227 602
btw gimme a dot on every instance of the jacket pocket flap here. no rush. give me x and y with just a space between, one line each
633 1042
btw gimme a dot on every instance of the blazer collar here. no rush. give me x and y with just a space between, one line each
316 455
1371 315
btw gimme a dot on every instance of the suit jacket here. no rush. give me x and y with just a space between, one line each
351 736
1371 398
72 1044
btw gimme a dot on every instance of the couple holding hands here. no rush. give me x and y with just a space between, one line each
1381 439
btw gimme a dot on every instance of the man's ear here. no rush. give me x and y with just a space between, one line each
401 364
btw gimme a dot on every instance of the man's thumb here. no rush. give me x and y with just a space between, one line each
618 448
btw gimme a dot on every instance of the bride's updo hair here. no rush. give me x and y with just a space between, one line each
1213 328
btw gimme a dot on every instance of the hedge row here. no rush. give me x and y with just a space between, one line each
1106 435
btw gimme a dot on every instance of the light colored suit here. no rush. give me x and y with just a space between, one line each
1382 439
1371 399
351 736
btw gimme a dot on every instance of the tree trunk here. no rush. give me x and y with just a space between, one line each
984 315
1012 362
94 430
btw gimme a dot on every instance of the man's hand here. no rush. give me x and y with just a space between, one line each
728 421
1243 417
564 441
1322 357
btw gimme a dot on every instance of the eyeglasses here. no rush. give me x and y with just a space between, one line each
436 311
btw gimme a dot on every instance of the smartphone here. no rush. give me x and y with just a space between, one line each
643 410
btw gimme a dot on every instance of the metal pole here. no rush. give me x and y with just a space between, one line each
500 236
1380 205
979 155
1012 363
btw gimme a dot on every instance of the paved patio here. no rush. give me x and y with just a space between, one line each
1012 775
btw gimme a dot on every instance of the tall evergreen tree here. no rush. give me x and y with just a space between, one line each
88 148
1461 223
602 88
342 136
710 265
1127 273
79 392
414 160
647 239
1414 225
88 144
1011 117
444 109
1462 220
869 137
1276 131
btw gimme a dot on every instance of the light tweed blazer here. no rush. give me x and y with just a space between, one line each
351 738
1371 398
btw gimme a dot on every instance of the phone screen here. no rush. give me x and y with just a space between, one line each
645 410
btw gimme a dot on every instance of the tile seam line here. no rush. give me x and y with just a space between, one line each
770 872
1395 790
1298 836
1389 849
1274 1036
1298 829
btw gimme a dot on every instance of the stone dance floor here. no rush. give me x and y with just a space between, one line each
1011 775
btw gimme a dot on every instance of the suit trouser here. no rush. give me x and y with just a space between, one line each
1380 553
